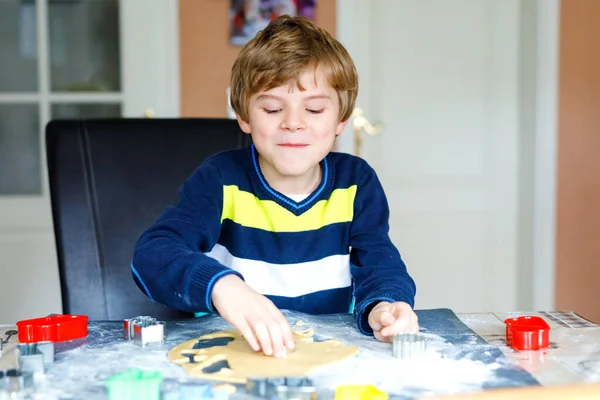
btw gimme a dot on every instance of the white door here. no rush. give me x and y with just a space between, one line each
67 59
442 77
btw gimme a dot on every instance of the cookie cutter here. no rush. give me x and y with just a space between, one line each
35 357
134 383
195 391
53 328
286 388
362 392
527 333
144 330
13 380
9 334
409 345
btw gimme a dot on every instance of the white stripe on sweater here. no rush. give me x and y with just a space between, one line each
288 280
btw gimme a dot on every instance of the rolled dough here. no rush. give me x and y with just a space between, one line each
246 363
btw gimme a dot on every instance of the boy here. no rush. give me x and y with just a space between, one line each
284 223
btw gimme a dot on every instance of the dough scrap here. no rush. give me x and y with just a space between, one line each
225 387
246 363
305 334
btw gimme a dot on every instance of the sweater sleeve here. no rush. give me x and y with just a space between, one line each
377 269
169 264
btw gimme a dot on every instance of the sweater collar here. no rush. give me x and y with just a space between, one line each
283 200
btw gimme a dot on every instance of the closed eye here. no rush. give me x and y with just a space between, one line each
315 111
271 111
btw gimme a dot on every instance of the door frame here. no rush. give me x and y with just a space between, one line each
542 267
546 156
150 58
149 70
149 35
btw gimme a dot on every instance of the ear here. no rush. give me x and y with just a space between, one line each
244 125
340 127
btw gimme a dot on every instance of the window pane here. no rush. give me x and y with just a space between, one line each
18 46
84 45
19 150
74 111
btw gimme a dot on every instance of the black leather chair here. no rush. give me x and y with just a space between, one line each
109 181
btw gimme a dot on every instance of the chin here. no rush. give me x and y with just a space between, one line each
293 170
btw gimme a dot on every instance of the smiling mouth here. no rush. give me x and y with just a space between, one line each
293 145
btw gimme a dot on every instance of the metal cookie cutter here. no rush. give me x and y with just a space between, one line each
8 334
13 380
34 357
409 345
282 388
144 330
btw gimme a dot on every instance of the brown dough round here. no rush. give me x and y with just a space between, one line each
246 363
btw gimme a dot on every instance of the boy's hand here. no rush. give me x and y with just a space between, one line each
387 319
260 322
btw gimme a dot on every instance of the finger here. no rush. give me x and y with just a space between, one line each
374 318
382 317
397 310
386 318
382 338
404 319
414 329
264 338
248 334
286 330
277 339
288 337
415 323
401 325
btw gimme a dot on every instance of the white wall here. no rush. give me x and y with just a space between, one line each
29 287
30 292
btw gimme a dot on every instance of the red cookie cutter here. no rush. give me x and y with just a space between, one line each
527 333
53 328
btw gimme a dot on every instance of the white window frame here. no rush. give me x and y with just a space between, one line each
150 81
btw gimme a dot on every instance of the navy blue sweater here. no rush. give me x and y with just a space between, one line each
315 256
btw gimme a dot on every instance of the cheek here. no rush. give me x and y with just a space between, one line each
325 130
263 135
259 119
261 128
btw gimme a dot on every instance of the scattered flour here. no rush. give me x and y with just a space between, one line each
446 368
436 372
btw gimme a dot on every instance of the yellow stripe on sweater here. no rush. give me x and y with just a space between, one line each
246 209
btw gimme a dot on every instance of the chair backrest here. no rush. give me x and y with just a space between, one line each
109 181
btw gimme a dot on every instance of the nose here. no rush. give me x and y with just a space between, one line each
292 121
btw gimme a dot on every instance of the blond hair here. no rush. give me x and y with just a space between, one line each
277 56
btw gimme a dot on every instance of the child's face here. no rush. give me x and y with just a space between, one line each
294 130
